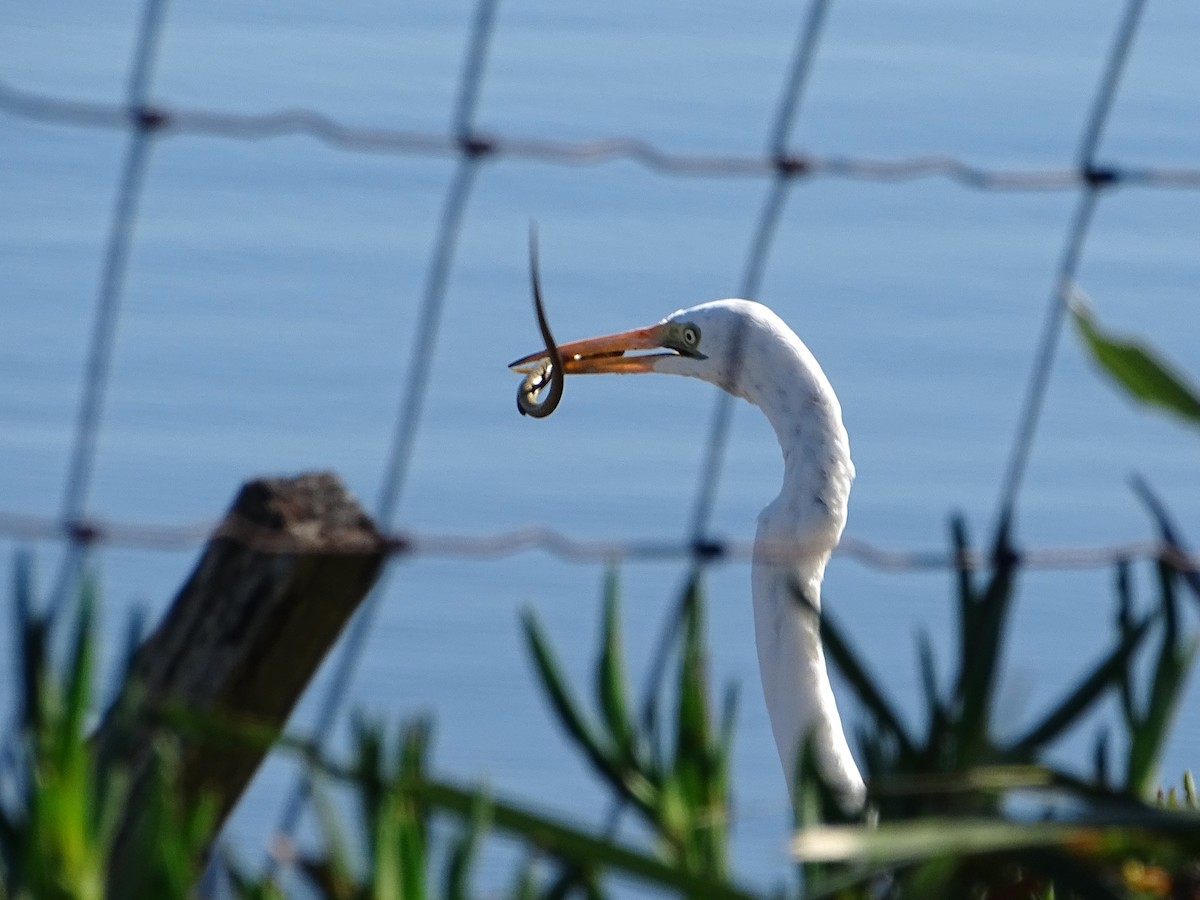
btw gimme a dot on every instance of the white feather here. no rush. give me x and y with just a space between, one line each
750 352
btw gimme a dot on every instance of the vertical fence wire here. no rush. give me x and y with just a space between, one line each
799 72
807 43
767 222
98 365
415 388
1094 180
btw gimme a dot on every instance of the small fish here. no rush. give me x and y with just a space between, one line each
549 369
531 386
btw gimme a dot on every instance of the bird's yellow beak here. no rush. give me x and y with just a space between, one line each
604 354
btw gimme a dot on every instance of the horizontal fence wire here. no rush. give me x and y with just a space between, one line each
416 544
166 121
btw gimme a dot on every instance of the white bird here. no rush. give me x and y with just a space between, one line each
747 350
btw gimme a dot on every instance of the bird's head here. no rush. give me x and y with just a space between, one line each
709 341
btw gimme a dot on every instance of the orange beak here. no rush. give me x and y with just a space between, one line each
605 354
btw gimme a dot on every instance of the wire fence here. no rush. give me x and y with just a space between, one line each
780 168
177 122
778 165
402 544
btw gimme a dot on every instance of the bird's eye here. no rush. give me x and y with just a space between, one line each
683 338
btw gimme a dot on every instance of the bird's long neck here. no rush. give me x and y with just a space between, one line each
807 419
795 681
803 523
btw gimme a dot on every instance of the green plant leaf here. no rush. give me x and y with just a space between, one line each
728 720
862 683
244 887
466 849
964 580
369 779
1149 738
1148 730
904 842
627 782
699 768
571 844
610 676
935 709
1125 626
1135 367
989 779
1100 761
79 672
410 816
32 628
1167 530
980 658
332 873
525 885
692 732
556 689
1110 671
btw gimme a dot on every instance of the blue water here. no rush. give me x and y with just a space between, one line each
274 286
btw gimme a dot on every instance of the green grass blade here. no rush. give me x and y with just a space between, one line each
465 851
691 717
728 720
934 707
905 842
78 688
555 686
31 627
964 583
411 817
525 885
571 719
1168 532
980 664
1108 672
1135 367
245 887
1100 761
334 871
369 779
572 845
1125 627
861 682
610 675
1149 739
135 631
1174 661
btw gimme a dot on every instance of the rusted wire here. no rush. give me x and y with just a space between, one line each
555 543
171 121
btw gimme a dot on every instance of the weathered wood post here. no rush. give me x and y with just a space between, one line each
272 590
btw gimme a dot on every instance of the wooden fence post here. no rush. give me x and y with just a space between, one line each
268 598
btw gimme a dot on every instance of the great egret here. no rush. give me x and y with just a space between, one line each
746 349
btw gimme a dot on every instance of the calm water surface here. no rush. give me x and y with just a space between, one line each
274 286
